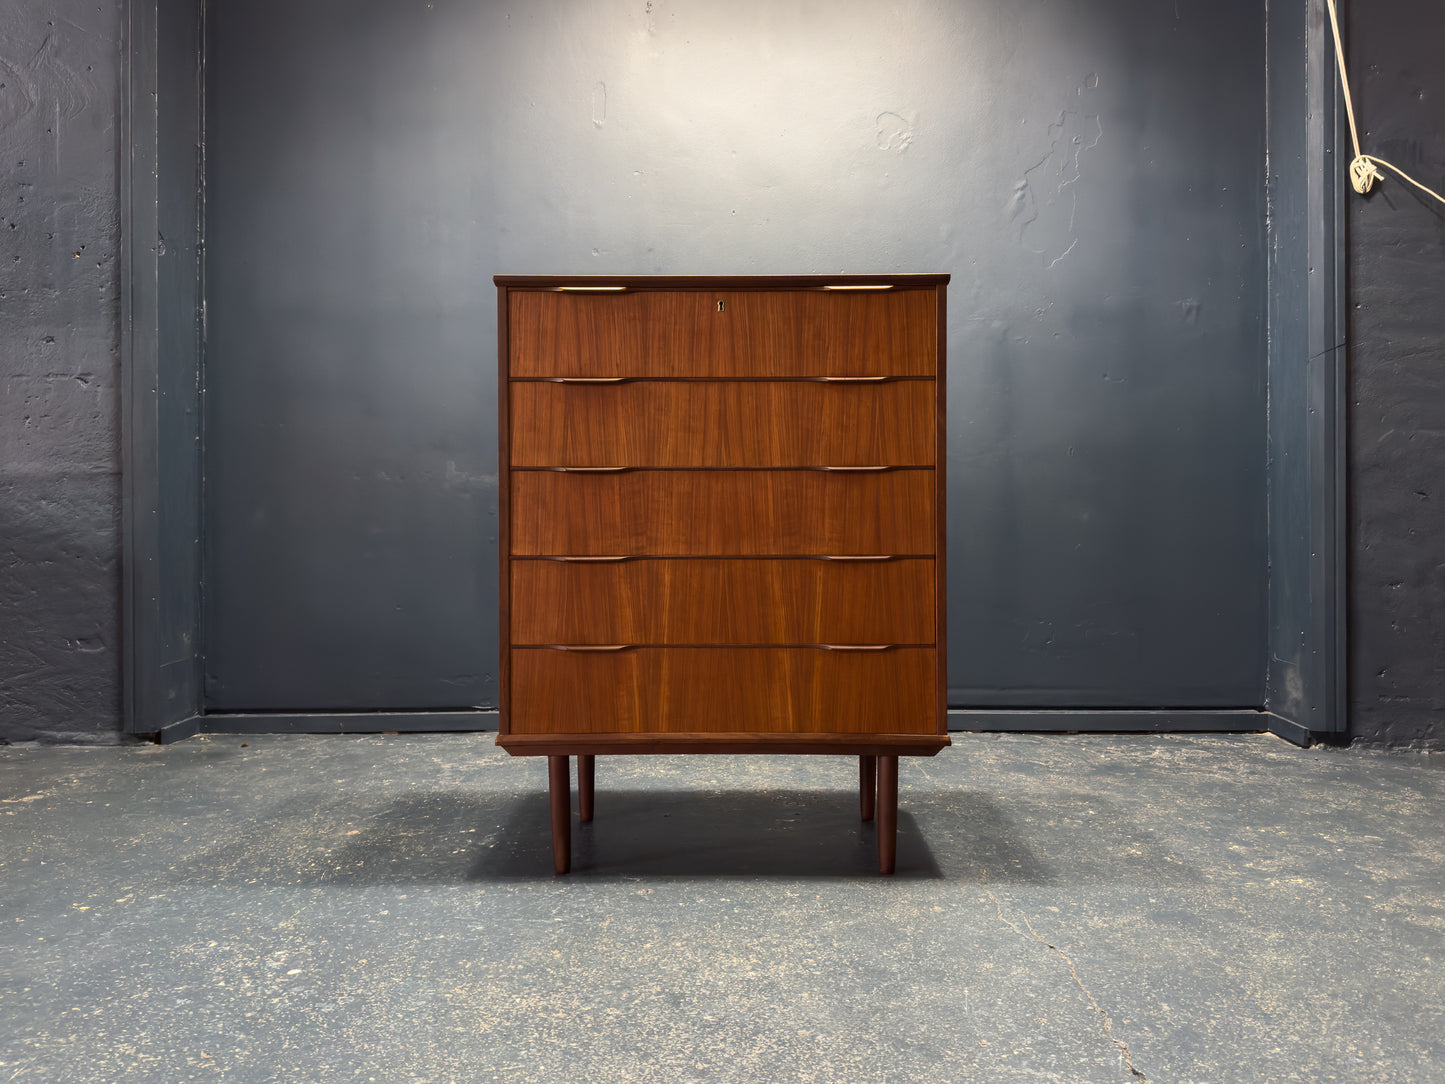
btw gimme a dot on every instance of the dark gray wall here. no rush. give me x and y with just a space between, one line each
59 584
1397 362
59 371
1095 189
350 412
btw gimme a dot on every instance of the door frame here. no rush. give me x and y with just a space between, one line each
162 258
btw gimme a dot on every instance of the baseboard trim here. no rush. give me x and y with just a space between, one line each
180 730
358 722
1129 720
1290 730
1039 721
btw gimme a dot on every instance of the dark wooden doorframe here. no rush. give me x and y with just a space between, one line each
162 310
160 257
1305 693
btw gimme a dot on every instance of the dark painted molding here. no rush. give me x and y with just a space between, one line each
1290 731
160 256
360 722
1243 720
1144 721
161 677
1327 138
139 209
1306 665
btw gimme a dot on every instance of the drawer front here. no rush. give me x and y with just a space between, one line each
723 601
679 690
722 424
722 513
682 333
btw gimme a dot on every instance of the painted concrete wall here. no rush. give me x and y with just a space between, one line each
59 379
1397 379
59 371
1095 190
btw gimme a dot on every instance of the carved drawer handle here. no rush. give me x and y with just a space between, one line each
856 557
852 379
596 648
855 470
856 647
586 379
588 470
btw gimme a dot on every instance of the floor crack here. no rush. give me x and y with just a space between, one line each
1074 971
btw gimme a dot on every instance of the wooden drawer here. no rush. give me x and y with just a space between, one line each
722 512
758 690
681 333
723 601
722 424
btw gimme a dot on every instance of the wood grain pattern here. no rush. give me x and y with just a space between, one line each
720 282
504 502
940 614
657 690
730 742
722 424
586 787
720 393
559 795
723 601
681 333
722 513
887 813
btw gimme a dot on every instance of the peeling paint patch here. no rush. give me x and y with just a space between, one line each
1044 202
894 132
599 105
456 479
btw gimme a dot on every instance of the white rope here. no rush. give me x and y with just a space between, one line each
1364 169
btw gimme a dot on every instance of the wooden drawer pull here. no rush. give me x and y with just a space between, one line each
587 379
855 470
585 470
587 560
854 557
588 647
852 379
855 647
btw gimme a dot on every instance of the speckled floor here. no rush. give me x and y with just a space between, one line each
1066 908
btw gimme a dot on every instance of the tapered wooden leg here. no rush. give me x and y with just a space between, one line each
586 776
559 787
887 813
867 784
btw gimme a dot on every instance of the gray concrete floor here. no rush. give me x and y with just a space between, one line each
1070 908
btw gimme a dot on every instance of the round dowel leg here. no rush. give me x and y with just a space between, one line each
559 788
867 785
586 776
887 813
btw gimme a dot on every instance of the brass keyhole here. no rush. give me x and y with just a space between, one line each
719 306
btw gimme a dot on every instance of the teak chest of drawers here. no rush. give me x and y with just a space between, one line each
722 523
